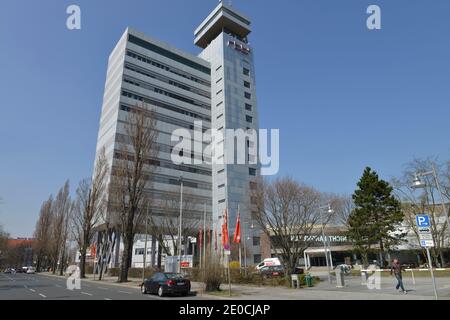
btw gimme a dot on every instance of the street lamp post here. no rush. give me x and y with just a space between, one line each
325 242
180 222
418 184
145 248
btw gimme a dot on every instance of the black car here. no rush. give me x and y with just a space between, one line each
272 271
166 283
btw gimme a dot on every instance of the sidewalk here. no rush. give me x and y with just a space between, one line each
353 290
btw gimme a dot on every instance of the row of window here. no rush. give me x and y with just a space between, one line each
147 86
167 164
162 78
161 147
164 118
168 54
163 105
165 67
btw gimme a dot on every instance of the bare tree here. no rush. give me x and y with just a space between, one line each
42 234
4 236
287 211
167 224
131 174
426 201
60 207
89 208
343 206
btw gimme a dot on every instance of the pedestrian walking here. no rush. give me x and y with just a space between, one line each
396 270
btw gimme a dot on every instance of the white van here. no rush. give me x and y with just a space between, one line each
269 262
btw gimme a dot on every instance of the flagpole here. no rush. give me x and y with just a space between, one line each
200 245
240 241
204 235
228 255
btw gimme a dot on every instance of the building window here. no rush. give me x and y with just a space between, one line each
246 71
252 171
139 251
219 80
253 185
222 201
248 107
256 258
249 119
219 104
248 95
246 84
220 116
218 68
256 241
219 92
221 186
221 171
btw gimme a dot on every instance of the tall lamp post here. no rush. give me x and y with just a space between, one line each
145 248
418 184
180 222
246 238
328 257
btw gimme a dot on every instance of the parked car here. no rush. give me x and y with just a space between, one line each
20 270
269 262
9 270
299 270
272 271
164 283
31 270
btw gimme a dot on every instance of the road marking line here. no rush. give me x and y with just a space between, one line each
43 296
157 297
125 292
102 288
88 294
32 290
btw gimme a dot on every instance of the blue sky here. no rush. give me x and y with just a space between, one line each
343 97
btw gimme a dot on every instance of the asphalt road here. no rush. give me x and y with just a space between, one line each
21 286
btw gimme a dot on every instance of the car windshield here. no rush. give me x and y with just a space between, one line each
174 276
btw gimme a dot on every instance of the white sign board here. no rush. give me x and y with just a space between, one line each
427 243
423 223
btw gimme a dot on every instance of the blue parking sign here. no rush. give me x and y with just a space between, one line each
423 220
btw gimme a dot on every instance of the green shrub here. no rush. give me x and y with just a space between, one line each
132 272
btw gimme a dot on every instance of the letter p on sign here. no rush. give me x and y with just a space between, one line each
423 220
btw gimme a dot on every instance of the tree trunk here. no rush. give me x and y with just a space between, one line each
381 254
365 259
159 252
83 263
126 259
61 262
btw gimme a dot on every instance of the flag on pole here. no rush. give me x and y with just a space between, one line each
225 237
200 237
237 231
215 237
208 244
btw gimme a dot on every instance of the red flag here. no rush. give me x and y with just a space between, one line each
208 244
237 231
215 237
225 237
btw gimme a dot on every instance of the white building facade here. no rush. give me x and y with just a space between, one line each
216 87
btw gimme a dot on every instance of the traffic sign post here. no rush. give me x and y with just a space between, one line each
423 223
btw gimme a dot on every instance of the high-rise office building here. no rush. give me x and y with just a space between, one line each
216 87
